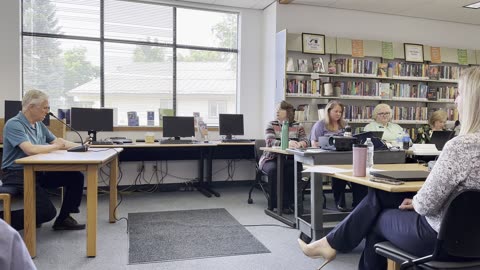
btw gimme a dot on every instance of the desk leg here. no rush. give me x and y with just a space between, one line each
278 214
92 203
30 213
316 204
200 186
209 172
113 189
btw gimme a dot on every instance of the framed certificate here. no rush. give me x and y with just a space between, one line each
313 43
413 52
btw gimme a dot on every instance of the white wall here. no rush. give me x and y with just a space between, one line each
375 26
10 51
268 86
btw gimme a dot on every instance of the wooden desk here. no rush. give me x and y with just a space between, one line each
314 225
281 156
89 162
320 221
413 186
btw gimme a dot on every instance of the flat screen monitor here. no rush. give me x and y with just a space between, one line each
231 124
87 119
12 107
178 126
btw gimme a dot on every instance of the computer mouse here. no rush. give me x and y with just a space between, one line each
118 142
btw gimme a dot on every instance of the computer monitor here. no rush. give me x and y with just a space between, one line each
12 107
92 120
231 124
178 126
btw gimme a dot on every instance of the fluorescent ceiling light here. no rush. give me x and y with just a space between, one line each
474 5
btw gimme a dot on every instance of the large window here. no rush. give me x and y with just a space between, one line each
131 56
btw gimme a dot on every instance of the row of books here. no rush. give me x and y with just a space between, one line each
374 89
356 66
395 69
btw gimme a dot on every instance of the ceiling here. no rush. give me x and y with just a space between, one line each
444 10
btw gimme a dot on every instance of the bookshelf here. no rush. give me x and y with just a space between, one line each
361 83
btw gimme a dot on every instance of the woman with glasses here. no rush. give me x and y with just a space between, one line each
382 114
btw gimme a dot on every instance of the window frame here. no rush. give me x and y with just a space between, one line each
102 40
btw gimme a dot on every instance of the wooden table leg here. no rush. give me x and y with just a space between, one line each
392 265
30 213
113 189
92 204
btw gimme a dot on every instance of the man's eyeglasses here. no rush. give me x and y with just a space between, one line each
383 113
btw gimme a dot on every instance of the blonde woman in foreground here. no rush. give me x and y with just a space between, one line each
411 222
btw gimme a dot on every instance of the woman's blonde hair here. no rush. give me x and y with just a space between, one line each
380 106
469 89
439 115
33 97
290 110
330 106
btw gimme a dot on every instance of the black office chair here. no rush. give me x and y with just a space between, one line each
458 242
261 179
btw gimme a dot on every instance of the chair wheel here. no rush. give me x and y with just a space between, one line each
250 201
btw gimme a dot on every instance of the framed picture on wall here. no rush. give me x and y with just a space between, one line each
413 52
313 43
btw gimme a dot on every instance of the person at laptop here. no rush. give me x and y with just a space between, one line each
437 122
334 124
26 135
268 161
412 224
382 114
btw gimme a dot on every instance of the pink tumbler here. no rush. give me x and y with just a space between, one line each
359 160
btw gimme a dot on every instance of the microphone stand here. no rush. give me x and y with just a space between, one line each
81 148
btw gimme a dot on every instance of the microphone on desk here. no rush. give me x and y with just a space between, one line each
80 148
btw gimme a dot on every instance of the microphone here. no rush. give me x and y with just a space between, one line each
80 148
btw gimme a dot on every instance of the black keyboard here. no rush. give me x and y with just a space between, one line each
177 142
236 140
121 141
102 143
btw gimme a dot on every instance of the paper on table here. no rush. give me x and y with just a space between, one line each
325 169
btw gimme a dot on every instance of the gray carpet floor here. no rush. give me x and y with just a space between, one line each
188 234
67 250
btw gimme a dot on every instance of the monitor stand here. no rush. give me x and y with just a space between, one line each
176 138
228 137
93 135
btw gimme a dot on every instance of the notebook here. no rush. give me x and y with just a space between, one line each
402 175
440 138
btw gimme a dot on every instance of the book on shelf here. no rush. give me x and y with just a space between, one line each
302 65
382 70
150 118
432 94
302 112
64 114
385 90
290 66
132 119
318 65
321 111
433 73
162 113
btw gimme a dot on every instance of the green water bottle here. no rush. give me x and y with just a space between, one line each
284 138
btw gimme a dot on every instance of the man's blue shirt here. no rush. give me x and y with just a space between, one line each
18 130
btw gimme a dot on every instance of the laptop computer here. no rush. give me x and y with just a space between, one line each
440 138
377 134
402 175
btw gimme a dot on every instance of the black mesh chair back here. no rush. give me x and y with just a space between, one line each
458 240
459 234
259 173
258 151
